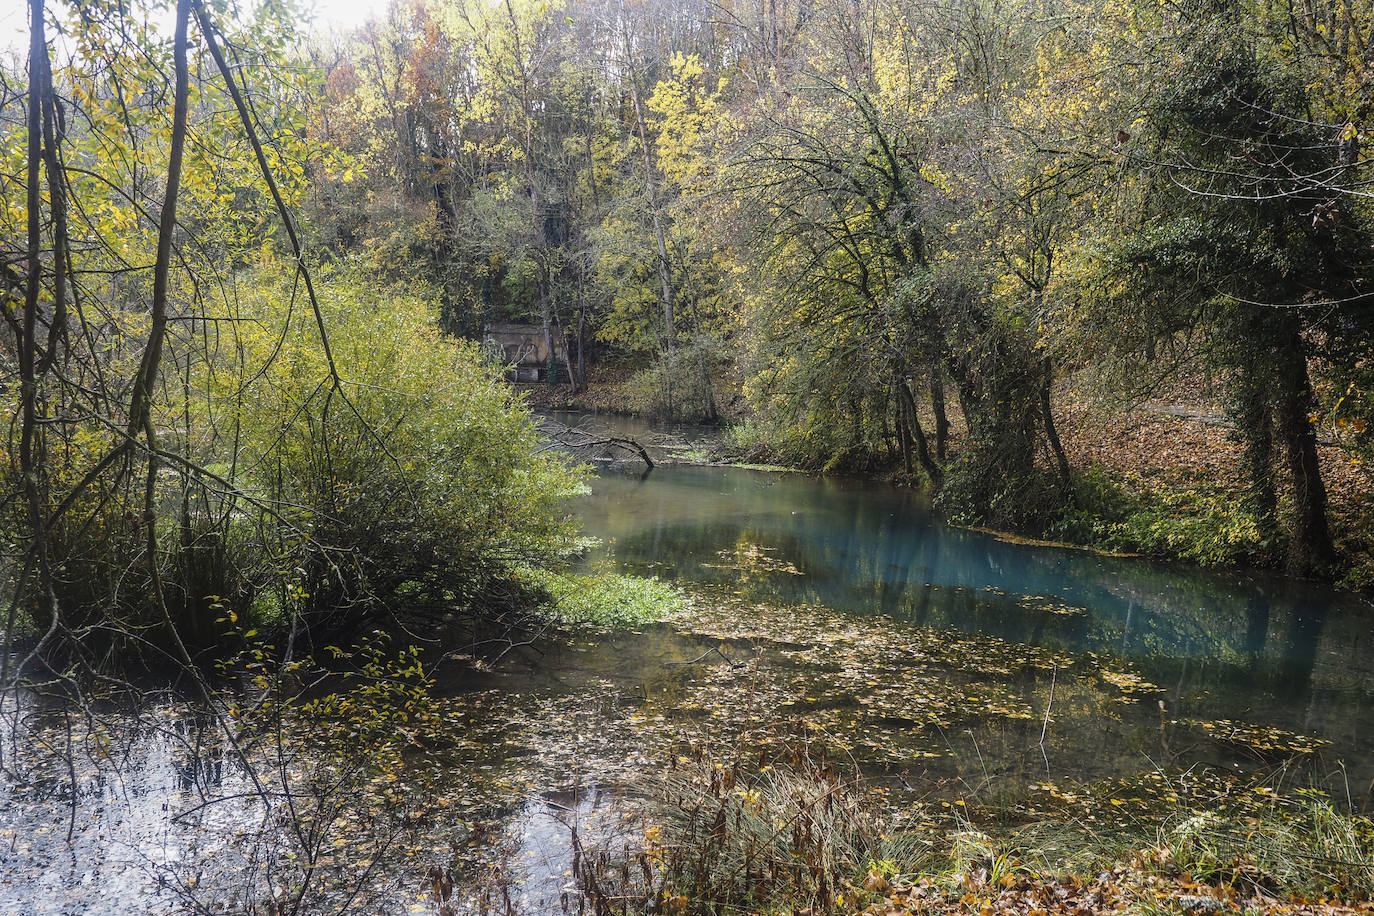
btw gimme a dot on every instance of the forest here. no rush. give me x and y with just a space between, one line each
930 475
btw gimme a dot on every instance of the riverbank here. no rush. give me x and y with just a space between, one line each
1166 479
1161 479
806 836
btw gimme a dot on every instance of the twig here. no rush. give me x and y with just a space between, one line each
1045 725
703 656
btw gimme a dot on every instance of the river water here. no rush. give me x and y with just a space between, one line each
954 667
1268 654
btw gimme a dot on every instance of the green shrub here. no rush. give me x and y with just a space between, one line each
1207 527
414 486
680 387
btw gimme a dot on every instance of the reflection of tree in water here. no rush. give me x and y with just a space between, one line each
1223 646
199 764
925 576
1258 610
877 551
1300 655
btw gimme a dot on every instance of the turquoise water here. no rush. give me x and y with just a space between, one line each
1253 650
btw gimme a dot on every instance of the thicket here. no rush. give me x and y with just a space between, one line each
212 431
899 225
417 490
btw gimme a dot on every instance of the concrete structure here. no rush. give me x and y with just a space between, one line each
526 349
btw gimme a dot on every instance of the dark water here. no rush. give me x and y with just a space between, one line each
954 667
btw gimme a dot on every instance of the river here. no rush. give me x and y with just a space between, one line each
956 668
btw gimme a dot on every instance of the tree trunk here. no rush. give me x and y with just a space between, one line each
451 321
660 238
1253 412
937 405
32 466
889 441
567 355
1061 460
922 448
710 392
904 438
581 344
1310 551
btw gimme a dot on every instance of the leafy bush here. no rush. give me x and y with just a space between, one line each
747 437
977 490
1210 528
680 387
1207 529
108 601
414 485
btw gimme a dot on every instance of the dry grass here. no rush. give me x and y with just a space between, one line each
801 838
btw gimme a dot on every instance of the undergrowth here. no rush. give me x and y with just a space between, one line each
1200 524
799 836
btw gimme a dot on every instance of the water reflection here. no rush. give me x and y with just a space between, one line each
534 862
90 803
949 662
1245 647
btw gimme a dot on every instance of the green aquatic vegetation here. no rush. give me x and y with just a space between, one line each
605 599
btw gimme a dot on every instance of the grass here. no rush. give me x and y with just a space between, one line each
603 599
797 836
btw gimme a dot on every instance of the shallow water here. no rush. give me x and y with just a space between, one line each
1258 649
960 671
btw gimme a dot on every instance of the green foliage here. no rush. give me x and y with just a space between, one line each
604 599
412 488
904 212
1209 527
747 436
379 704
1233 256
978 491
678 386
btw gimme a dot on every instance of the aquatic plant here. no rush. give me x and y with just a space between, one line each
604 599
802 835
